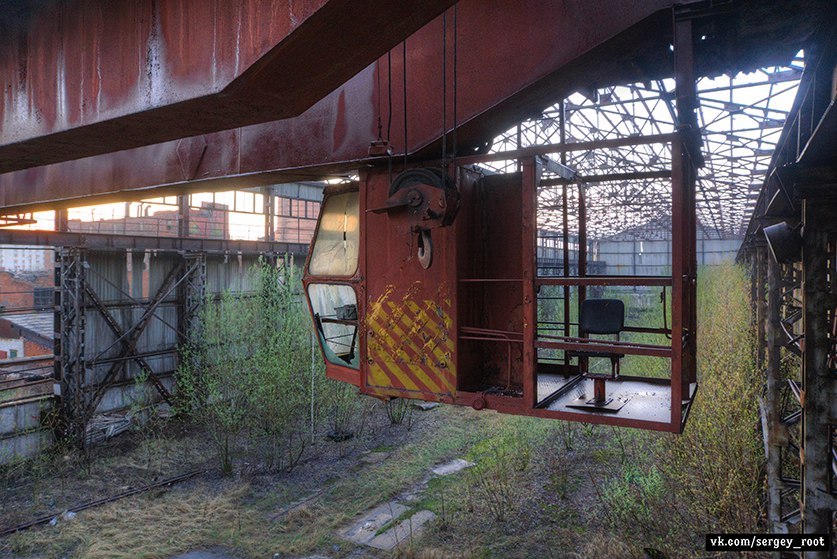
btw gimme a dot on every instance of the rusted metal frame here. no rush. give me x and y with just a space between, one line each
682 187
137 355
531 175
581 263
131 302
192 296
776 433
818 385
356 282
678 281
506 404
565 227
129 351
588 344
785 151
565 237
340 122
545 149
651 281
603 419
183 216
611 177
129 337
257 67
490 280
70 365
101 241
167 286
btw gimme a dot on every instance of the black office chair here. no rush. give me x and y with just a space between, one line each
604 317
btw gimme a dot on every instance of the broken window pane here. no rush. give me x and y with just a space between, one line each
335 316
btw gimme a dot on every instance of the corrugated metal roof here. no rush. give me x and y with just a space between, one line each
37 327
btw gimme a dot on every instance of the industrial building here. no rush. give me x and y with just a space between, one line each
150 152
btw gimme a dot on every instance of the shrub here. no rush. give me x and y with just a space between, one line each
250 371
708 479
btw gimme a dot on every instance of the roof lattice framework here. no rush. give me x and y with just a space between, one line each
741 119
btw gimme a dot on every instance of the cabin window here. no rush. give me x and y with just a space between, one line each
335 317
335 252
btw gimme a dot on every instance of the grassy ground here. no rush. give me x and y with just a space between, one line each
540 488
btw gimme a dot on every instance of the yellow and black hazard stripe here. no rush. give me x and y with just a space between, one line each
410 347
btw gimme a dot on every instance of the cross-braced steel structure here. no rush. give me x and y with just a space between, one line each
791 249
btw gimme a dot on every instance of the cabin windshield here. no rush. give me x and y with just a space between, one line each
335 252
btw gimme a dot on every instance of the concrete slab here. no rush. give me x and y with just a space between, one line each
403 532
363 531
425 406
204 555
452 467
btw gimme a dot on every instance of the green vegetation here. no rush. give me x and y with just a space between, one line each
254 377
710 478
539 488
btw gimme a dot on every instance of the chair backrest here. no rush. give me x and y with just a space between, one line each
602 316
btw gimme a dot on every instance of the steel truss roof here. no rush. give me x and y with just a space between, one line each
741 119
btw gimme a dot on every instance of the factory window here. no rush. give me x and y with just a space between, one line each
44 298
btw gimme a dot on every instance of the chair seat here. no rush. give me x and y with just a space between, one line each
595 354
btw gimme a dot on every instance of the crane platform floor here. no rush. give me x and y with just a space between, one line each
645 400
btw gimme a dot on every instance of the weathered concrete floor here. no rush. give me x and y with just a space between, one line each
403 523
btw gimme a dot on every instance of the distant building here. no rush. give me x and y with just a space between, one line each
210 221
646 249
296 220
25 259
26 316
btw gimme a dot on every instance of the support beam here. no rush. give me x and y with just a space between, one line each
498 83
183 216
776 431
100 241
129 343
83 77
819 385
269 211
70 366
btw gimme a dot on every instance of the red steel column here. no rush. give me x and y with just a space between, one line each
683 223
531 174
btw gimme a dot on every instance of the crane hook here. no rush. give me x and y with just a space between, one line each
425 248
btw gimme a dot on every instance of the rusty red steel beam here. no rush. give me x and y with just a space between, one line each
85 77
512 60
505 51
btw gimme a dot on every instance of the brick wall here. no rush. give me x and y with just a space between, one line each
17 289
